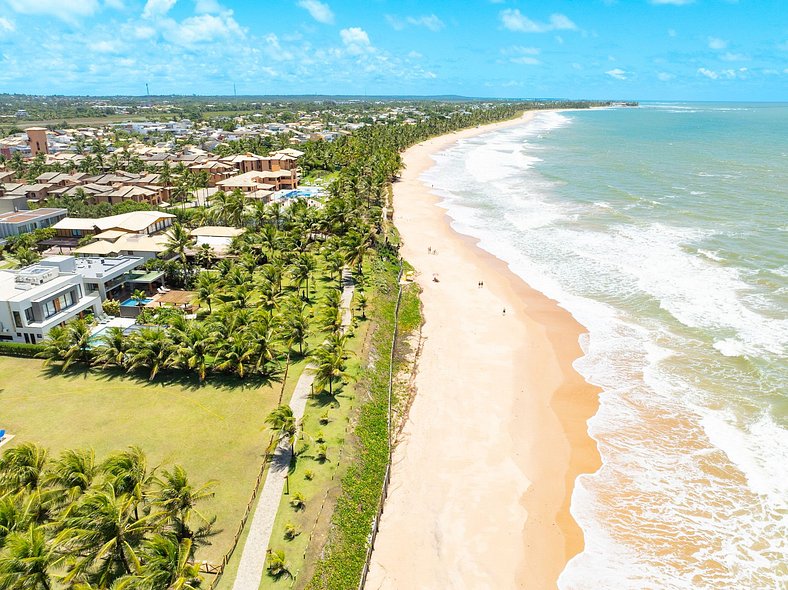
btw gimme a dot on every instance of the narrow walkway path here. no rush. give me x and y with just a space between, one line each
252 564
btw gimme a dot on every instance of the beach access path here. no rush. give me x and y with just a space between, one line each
483 472
252 564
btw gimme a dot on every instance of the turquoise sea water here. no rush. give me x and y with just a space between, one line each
664 230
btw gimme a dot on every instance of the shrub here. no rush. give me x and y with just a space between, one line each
309 475
290 531
298 502
320 437
111 307
324 418
322 454
276 566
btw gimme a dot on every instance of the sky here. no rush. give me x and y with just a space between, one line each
732 50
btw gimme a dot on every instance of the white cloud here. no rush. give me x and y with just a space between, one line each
66 10
672 32
665 76
320 11
116 4
6 26
728 56
783 46
673 2
414 55
708 73
105 46
144 32
208 7
356 40
525 59
514 20
432 22
717 43
156 8
202 28
617 73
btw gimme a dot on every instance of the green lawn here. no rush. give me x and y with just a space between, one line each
215 431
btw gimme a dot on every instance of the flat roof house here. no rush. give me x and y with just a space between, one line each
14 223
37 298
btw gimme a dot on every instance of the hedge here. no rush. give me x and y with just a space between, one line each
21 350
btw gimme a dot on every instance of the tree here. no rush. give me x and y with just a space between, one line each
149 348
111 350
167 564
195 344
302 269
207 288
22 467
282 422
330 361
178 500
179 241
295 325
28 560
73 473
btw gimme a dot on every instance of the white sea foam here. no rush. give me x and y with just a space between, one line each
663 317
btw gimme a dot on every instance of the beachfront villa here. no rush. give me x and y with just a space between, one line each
37 298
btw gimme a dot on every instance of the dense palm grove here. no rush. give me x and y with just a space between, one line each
259 303
74 522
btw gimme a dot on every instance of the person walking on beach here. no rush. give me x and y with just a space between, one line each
504 311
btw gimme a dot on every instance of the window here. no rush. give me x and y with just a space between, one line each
29 315
91 287
18 320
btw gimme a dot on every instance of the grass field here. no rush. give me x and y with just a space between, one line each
215 431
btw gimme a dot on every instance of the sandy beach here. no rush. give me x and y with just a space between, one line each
496 436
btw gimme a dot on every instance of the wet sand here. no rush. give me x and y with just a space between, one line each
484 469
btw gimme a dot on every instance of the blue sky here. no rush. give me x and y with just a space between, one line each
637 49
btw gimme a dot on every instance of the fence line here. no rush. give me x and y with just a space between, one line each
387 478
249 506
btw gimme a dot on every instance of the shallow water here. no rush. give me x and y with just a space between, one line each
662 229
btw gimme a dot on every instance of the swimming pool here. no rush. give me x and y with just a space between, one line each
135 303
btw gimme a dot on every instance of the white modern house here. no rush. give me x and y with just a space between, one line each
102 276
37 298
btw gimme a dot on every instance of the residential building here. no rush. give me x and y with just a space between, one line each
106 277
136 222
37 139
14 223
37 298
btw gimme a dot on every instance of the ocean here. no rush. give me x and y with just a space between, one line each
663 229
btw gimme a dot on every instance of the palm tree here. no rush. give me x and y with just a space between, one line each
234 356
149 348
302 269
111 350
127 471
331 311
178 500
283 423
207 288
167 564
139 297
330 365
362 304
22 467
295 325
73 473
102 536
28 560
195 345
179 241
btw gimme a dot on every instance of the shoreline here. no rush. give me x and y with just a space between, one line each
484 470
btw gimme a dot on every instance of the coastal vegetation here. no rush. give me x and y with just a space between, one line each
79 522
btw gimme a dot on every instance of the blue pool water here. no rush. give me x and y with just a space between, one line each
134 302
